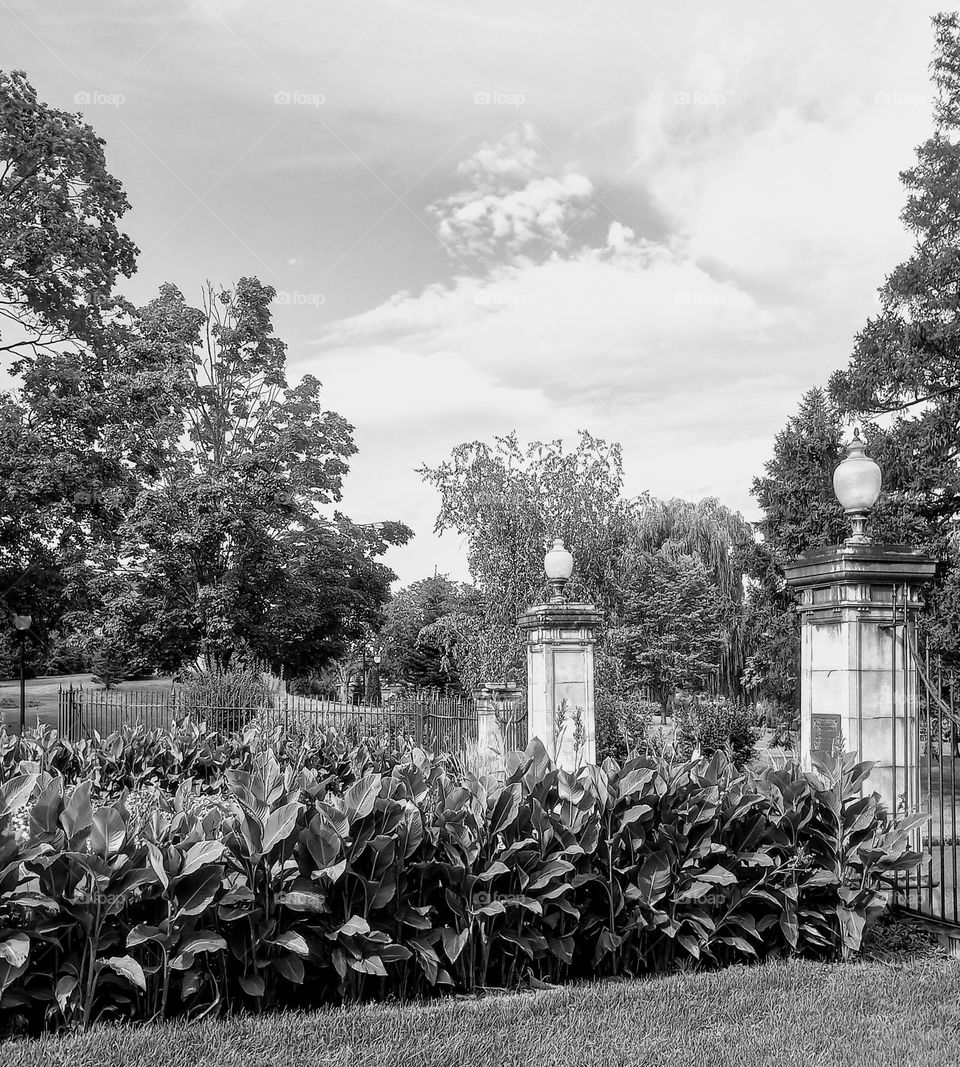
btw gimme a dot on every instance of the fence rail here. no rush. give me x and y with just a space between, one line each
433 720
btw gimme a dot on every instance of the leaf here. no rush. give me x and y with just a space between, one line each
63 991
198 854
293 942
505 809
142 933
291 967
280 825
15 950
359 799
77 813
107 832
15 792
193 945
194 894
304 900
718 875
356 924
453 942
156 860
128 967
253 985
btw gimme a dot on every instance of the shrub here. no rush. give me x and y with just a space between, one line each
316 874
622 725
716 724
225 699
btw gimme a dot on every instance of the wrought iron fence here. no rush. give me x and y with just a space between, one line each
427 718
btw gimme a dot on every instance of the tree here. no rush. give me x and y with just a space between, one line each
717 537
411 609
225 549
510 501
671 634
65 431
61 249
906 360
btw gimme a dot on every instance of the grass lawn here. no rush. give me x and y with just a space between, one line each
42 696
831 1015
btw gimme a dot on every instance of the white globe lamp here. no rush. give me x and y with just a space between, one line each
857 481
558 566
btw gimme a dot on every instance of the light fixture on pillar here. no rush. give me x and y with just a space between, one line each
857 481
558 565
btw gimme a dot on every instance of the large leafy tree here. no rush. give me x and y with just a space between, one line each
61 248
65 446
509 501
226 549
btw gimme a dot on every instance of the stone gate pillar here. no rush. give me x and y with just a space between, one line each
493 701
560 638
858 683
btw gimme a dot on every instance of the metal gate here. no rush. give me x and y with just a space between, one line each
929 752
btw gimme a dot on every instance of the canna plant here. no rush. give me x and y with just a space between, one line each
280 867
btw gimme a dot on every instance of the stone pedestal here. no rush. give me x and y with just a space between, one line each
495 700
858 605
560 686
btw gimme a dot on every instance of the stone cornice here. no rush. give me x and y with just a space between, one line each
565 616
849 564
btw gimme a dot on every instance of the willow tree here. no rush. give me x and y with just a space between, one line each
709 533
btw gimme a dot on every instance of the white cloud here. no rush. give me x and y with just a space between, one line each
513 200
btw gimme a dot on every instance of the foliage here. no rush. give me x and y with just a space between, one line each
422 664
671 630
224 550
67 446
61 251
622 725
368 874
716 724
905 360
509 501
225 699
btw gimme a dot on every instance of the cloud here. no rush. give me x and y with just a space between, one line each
513 201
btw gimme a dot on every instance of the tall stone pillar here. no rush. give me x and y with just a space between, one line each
858 682
496 704
560 640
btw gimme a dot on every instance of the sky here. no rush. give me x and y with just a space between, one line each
658 223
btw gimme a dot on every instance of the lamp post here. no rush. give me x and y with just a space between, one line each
857 481
22 624
558 566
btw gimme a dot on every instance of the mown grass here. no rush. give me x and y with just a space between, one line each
802 1013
